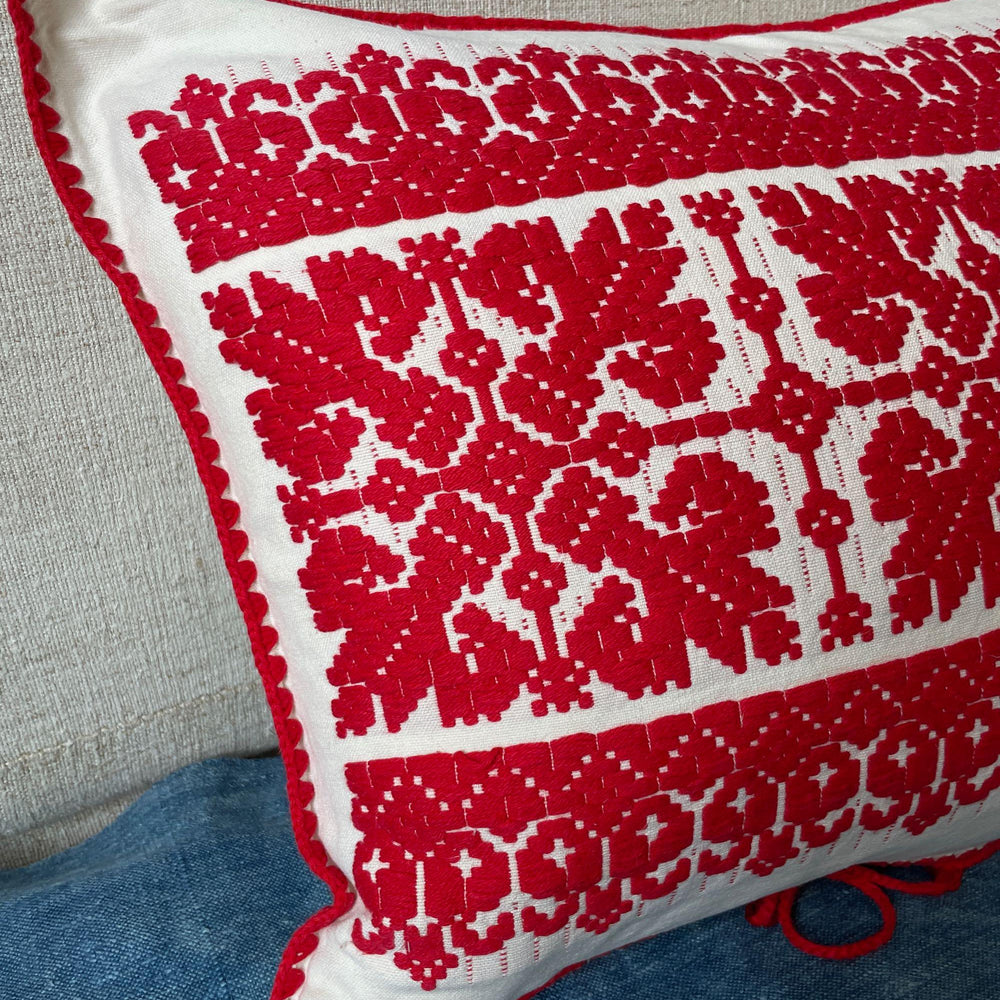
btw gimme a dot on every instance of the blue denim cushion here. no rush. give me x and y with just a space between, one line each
194 891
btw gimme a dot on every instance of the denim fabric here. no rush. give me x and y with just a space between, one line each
193 893
190 895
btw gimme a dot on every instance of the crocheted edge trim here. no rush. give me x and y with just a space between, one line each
225 512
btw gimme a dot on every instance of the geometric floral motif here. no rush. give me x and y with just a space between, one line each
374 141
506 465
587 827
588 423
505 459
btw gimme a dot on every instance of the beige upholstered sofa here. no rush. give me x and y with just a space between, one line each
122 652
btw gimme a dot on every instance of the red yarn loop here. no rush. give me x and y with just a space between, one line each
941 880
944 875
764 912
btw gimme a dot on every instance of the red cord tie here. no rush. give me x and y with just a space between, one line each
872 880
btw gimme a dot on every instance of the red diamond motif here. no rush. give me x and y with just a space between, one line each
792 407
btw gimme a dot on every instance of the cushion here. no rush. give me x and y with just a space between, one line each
602 431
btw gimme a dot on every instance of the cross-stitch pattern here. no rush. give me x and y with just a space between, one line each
544 454
580 832
556 454
382 137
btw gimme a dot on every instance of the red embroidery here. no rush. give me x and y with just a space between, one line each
876 250
948 504
695 578
540 484
374 141
587 827
487 474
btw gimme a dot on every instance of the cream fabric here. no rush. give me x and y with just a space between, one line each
122 652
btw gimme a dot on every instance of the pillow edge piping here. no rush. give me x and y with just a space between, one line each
156 342
469 22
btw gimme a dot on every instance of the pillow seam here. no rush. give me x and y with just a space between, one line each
460 22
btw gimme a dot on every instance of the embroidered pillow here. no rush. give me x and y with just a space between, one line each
603 431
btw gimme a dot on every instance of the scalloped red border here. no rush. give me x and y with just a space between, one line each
225 512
